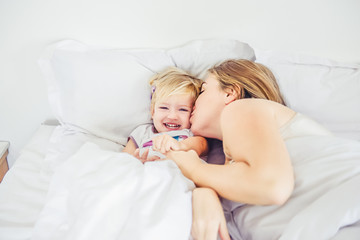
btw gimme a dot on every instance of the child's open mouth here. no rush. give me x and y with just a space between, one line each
172 126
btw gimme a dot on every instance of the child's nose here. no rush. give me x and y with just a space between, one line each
172 114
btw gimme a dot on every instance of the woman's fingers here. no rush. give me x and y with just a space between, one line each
208 216
223 231
212 231
205 231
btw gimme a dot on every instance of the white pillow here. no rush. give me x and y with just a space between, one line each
198 56
105 91
326 90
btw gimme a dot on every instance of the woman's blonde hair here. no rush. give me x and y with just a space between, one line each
248 79
173 81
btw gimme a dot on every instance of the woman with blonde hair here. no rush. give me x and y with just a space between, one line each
240 104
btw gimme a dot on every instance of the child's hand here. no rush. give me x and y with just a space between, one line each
144 157
164 143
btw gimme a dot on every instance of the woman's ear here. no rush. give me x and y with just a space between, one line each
230 95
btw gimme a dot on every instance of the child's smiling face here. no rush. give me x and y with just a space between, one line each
173 113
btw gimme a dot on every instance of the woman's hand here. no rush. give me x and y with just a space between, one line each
208 216
187 161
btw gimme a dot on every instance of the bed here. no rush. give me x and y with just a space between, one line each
72 181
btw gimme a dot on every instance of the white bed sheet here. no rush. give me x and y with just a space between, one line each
113 190
24 188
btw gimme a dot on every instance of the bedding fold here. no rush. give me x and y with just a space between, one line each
103 194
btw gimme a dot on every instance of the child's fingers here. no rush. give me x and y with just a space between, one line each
137 153
157 143
171 144
144 156
152 158
175 146
164 145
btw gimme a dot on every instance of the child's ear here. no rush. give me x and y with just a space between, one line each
152 111
230 96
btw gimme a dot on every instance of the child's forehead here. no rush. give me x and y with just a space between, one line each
184 99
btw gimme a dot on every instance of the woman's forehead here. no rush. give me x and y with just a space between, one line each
210 79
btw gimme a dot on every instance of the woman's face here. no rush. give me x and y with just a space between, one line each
208 107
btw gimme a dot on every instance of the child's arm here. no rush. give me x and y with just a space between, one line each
133 150
164 143
130 147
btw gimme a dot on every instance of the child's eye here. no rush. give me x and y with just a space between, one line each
164 108
184 109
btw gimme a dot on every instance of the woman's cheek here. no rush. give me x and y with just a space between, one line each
195 125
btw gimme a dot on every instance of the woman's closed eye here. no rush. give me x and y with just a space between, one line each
202 89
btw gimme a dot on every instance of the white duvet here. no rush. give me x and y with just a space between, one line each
325 202
97 193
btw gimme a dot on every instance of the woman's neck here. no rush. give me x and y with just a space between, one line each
215 131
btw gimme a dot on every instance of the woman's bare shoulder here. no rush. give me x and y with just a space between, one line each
258 108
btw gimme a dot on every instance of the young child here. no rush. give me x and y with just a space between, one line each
173 95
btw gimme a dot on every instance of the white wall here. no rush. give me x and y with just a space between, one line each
328 28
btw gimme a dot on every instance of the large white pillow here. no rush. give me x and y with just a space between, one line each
105 92
197 57
326 90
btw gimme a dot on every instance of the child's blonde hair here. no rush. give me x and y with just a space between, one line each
173 81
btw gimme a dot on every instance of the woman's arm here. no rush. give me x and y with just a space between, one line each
196 143
261 172
252 140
